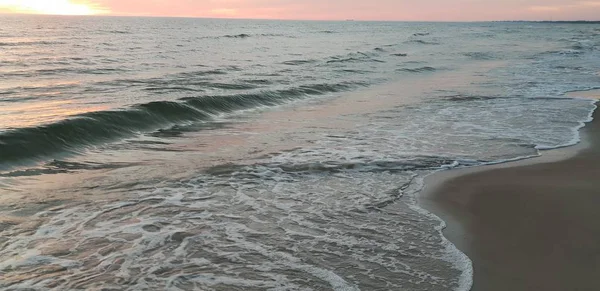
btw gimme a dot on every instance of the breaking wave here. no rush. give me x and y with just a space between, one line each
71 135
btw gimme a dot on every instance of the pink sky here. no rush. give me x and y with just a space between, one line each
423 10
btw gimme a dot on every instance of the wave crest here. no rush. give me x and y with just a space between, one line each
74 134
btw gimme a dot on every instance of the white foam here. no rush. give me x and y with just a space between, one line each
575 130
452 254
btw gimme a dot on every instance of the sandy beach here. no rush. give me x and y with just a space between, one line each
527 225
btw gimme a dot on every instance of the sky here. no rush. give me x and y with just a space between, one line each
403 10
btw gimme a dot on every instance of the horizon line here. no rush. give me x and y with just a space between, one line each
290 19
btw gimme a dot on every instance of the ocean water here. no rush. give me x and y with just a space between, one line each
199 154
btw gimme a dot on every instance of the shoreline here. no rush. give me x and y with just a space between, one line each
527 224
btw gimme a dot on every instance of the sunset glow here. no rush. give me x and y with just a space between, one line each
402 10
56 7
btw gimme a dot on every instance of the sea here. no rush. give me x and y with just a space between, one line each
211 154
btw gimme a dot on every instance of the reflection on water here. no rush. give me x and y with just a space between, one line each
40 112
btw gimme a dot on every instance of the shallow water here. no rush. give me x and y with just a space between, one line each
180 154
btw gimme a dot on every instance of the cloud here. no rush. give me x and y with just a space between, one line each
558 8
545 8
224 12
590 3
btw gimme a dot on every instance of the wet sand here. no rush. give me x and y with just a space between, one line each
527 225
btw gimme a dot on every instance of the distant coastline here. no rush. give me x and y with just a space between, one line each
552 21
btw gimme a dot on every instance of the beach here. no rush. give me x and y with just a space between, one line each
527 225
